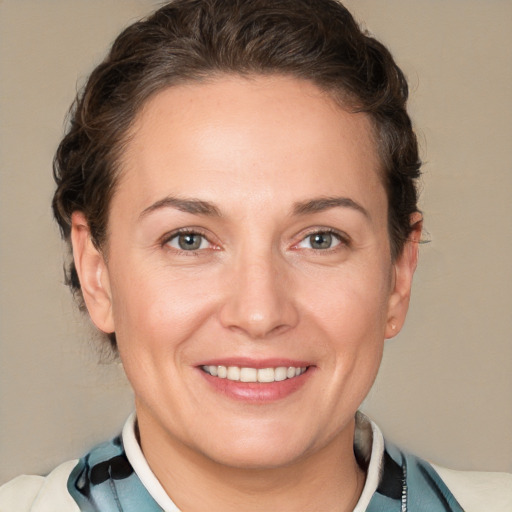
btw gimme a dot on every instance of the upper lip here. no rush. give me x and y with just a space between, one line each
247 362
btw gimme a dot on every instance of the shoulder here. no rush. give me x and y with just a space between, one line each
479 491
30 493
425 486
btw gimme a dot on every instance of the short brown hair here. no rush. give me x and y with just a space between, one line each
188 40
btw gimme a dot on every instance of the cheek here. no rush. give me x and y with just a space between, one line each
351 311
158 310
350 303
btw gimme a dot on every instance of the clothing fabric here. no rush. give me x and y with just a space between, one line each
115 477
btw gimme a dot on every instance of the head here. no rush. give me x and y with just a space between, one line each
262 69
189 41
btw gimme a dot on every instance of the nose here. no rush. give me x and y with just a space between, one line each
259 302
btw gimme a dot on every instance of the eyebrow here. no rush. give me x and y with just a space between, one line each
187 205
325 203
199 207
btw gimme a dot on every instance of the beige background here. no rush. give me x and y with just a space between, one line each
445 388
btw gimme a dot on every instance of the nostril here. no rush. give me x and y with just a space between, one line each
257 304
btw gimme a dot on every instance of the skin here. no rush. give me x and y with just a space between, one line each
261 152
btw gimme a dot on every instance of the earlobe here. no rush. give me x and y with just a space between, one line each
93 274
404 268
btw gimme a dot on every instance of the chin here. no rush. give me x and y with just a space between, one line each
259 449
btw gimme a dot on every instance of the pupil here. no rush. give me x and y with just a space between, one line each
189 242
321 241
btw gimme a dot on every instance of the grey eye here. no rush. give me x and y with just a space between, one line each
321 240
188 241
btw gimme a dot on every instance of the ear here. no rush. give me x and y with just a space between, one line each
92 273
404 268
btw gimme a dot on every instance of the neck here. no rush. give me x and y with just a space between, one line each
328 479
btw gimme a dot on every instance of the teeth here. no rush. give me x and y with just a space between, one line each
280 374
248 374
233 373
253 374
266 375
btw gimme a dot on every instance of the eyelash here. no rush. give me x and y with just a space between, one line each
185 231
342 238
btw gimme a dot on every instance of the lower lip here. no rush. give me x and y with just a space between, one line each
256 392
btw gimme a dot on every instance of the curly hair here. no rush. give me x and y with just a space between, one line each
190 40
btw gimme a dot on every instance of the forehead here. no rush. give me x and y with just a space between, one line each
272 138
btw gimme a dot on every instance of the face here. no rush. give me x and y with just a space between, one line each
248 274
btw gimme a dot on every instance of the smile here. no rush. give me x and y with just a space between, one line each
247 374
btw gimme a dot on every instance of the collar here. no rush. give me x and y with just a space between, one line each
368 447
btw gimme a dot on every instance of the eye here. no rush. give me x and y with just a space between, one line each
188 241
321 240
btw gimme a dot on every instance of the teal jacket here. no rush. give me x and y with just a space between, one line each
104 481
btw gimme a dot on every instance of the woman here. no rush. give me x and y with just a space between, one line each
238 186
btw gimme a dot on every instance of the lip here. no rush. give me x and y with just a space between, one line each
255 392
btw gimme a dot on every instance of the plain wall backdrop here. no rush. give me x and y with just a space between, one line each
445 388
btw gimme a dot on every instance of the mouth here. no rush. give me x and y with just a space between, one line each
248 374
257 382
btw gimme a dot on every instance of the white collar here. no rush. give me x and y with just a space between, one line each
141 467
368 443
